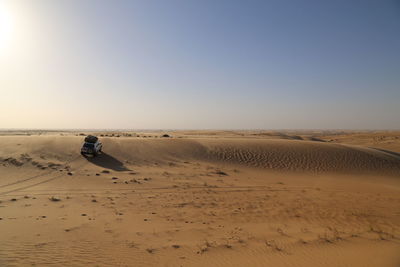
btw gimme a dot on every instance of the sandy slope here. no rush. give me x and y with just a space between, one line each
293 155
227 199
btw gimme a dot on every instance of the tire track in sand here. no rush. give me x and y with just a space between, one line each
25 183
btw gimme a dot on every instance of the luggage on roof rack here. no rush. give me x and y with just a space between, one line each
91 139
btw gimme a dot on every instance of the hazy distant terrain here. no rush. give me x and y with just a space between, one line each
201 198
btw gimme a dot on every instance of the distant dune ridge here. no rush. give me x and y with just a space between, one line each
289 155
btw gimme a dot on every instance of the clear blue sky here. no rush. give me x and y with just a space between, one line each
220 64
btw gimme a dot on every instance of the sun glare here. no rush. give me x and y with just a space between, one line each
6 26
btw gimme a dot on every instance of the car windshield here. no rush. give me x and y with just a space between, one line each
88 145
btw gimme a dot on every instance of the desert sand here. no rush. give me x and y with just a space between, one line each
201 198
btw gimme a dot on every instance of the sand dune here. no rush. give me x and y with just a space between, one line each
305 156
288 155
223 199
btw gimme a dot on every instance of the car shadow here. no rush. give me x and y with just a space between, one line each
107 161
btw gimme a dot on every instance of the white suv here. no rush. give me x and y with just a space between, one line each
91 146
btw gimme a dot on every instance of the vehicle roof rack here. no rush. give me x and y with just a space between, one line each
91 139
